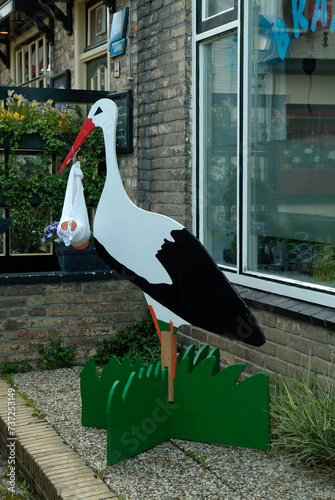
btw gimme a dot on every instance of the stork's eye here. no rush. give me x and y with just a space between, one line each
98 111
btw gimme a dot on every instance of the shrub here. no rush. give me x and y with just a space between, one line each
137 340
55 356
303 420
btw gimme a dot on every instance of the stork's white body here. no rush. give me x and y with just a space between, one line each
132 235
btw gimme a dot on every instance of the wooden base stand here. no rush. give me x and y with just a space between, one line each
167 360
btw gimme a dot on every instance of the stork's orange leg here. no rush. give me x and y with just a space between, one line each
154 318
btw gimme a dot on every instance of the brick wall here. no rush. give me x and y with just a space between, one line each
80 313
62 52
163 86
290 345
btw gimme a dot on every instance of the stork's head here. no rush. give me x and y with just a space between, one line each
102 114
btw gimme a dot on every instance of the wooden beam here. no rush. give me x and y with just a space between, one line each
167 360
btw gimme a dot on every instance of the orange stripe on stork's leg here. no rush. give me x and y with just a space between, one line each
154 318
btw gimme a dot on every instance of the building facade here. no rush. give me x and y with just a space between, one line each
233 136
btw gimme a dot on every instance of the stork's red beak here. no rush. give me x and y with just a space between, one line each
85 131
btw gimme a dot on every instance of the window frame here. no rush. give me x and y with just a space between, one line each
204 32
83 53
91 5
216 21
19 57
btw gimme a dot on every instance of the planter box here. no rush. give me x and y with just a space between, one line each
27 141
72 260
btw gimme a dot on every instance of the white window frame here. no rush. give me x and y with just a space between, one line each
314 293
41 76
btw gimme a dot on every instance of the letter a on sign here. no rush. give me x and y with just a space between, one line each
320 12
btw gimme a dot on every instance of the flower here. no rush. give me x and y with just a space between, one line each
50 234
331 155
308 151
296 159
21 116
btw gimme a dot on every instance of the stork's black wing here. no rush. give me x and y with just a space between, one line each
199 293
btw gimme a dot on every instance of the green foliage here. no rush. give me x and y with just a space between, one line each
202 459
9 368
137 340
93 165
32 189
55 356
32 404
21 116
8 495
324 262
303 420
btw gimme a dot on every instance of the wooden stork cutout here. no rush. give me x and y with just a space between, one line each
181 282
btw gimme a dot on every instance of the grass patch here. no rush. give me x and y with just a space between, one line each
303 421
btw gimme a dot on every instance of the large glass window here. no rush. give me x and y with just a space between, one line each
219 122
292 142
266 143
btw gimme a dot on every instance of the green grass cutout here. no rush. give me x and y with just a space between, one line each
95 390
209 405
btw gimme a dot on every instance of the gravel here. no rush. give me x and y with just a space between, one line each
175 469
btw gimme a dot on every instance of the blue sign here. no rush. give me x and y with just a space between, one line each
119 25
118 48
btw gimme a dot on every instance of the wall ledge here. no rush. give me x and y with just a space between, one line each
316 315
56 277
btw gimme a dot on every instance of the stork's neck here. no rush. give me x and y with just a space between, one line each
113 177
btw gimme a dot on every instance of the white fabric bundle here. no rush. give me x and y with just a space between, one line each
74 227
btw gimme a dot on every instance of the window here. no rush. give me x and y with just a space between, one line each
219 150
213 13
32 63
97 73
96 23
214 7
92 64
292 144
266 144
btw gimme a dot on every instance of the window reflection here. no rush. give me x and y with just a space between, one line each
213 7
292 169
220 148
